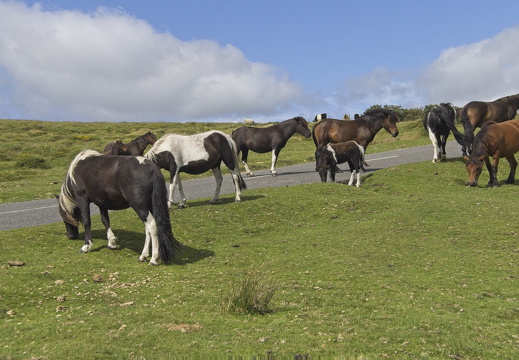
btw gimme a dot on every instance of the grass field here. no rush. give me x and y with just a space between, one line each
411 265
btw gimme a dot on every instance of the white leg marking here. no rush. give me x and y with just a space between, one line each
235 175
352 177
247 170
151 228
86 248
358 179
112 239
146 249
273 166
435 144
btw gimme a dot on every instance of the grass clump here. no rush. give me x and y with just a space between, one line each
31 162
250 295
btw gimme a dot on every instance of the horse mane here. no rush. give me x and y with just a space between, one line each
482 139
377 113
66 200
514 99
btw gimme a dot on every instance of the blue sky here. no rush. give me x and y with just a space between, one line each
192 60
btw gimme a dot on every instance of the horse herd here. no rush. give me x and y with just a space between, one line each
115 182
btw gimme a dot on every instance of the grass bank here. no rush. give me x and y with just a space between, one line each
411 265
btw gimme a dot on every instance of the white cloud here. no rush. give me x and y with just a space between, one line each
485 70
109 66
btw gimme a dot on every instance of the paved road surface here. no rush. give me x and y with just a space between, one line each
41 212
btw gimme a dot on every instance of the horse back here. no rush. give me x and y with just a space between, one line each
260 140
507 141
335 131
478 113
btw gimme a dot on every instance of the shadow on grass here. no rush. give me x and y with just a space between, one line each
134 241
221 201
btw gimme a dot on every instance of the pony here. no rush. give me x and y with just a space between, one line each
338 153
196 154
496 140
476 113
113 183
272 138
361 130
115 148
320 117
135 147
439 122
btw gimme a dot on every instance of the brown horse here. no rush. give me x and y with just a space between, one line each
498 140
361 130
476 113
135 147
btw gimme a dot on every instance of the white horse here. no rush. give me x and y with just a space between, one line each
196 154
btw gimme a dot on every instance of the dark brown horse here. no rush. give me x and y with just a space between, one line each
135 147
115 148
272 138
498 140
476 113
361 130
338 153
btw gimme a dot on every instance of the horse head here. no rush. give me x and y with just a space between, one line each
302 127
120 148
150 138
474 168
325 162
389 123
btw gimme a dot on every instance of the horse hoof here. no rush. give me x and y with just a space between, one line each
181 206
274 174
250 174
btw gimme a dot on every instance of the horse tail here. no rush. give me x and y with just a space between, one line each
469 129
234 148
168 245
460 138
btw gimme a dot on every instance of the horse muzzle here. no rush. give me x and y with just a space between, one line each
472 183
395 134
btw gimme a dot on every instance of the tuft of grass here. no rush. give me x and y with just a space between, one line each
251 294
31 162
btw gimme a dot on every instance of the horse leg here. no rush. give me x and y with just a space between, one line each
513 165
151 234
434 140
443 144
244 155
112 239
219 179
492 170
178 183
85 218
275 153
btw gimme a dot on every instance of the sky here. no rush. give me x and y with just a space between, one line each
268 60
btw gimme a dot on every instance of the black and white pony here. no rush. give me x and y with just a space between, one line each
338 153
272 138
113 183
439 122
320 117
196 154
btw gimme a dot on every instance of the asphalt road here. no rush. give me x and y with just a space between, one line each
42 212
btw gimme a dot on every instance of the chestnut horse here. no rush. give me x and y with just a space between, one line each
476 113
498 140
361 130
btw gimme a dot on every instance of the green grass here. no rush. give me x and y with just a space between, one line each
411 265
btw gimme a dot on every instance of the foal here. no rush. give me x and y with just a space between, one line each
333 154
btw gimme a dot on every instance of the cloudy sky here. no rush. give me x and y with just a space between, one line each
269 60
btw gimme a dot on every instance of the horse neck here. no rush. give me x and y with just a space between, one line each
141 142
288 127
512 100
375 123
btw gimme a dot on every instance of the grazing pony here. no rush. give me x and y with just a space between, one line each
439 122
476 113
196 154
272 138
135 147
115 148
361 130
333 154
115 183
497 140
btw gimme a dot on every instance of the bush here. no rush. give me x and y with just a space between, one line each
31 162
